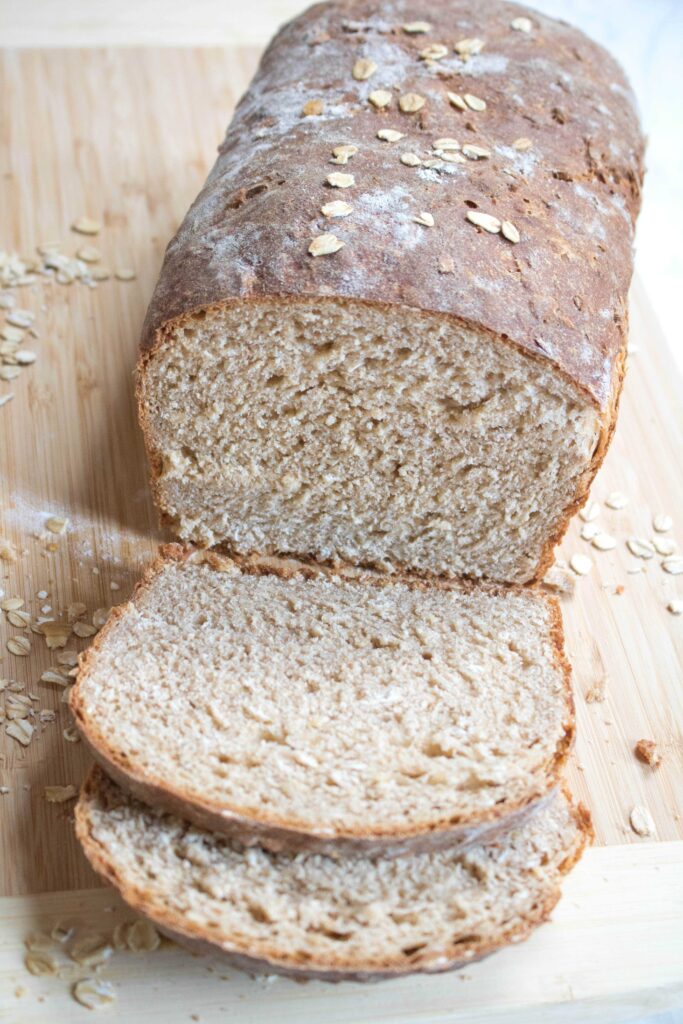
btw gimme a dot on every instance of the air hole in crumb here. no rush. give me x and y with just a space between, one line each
413 950
471 203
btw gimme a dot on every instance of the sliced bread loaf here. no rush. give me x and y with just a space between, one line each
414 359
348 917
300 708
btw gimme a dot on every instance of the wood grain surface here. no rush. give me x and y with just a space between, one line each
127 137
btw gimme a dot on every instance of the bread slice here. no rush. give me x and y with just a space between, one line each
306 914
307 709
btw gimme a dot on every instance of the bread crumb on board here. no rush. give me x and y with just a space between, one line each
648 752
597 693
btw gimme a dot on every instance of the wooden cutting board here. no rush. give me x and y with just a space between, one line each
127 136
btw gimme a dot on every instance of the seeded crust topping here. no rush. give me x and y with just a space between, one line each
548 146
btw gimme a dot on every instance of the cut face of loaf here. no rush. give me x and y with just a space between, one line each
373 436
430 395
350 917
303 709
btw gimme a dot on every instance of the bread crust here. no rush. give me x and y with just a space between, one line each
276 834
189 934
559 295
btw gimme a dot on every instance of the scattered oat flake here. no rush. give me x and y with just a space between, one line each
20 730
8 373
648 752
436 51
380 98
124 274
325 245
86 226
40 962
390 135
339 180
10 604
68 658
597 693
509 231
75 611
100 273
664 545
456 100
484 220
119 938
4 399
411 160
20 318
312 108
60 794
476 152
616 500
522 144
94 993
662 523
84 629
411 102
675 606
589 531
363 69
342 154
447 144
20 646
604 542
20 619
338 208
590 512
99 616
415 28
641 822
71 734
640 548
57 524
446 265
89 254
674 565
469 47
90 950
143 937
521 24
8 552
50 676
425 219
580 564
474 102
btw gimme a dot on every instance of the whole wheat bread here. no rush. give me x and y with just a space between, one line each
305 708
434 395
350 917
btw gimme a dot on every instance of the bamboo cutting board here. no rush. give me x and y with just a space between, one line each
127 137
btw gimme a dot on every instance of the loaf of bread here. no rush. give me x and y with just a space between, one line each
302 709
308 915
391 329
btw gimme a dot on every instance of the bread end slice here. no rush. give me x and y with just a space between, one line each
345 918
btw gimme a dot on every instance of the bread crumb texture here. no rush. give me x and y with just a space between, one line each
329 705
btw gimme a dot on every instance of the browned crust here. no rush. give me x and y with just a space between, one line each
271 961
281 834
